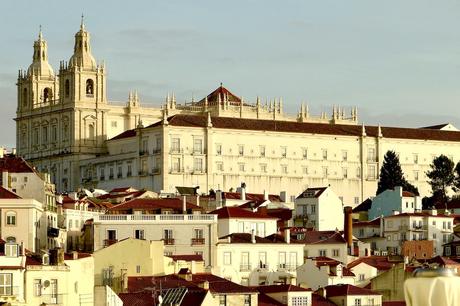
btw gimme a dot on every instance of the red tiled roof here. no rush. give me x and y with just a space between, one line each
345 290
318 300
220 285
6 194
284 214
122 189
379 262
137 298
251 196
280 288
265 300
220 92
315 192
192 257
372 223
326 237
408 194
125 134
443 261
228 212
311 128
14 164
154 204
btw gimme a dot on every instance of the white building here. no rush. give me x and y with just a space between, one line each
252 260
399 228
319 208
366 268
323 244
391 200
183 230
239 220
289 295
12 274
319 272
349 295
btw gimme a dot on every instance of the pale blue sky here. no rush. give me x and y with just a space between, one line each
397 61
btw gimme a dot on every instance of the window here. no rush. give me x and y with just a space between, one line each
335 252
102 172
6 283
415 158
324 151
313 209
357 302
263 260
247 300
371 155
114 124
371 172
47 94
54 133
358 172
344 155
434 236
361 277
325 171
220 166
37 287
11 218
176 164
175 145
218 149
67 88
448 225
222 300
416 175
299 301
45 134
198 233
304 153
283 151
138 269
371 302
305 170
241 167
227 258
240 150
11 249
198 164
447 250
24 97
263 168
262 151
323 252
345 172
282 260
139 234
111 234
198 145
284 169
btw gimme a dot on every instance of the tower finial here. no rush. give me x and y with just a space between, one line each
82 24
40 34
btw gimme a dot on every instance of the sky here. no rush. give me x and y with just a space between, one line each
397 61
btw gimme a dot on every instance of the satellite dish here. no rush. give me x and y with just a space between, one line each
46 283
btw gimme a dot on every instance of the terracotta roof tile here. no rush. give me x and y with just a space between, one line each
153 204
228 212
314 192
379 262
318 300
346 290
280 288
125 134
6 194
246 238
320 237
265 300
15 164
192 257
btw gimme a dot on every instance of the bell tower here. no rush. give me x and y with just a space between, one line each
81 79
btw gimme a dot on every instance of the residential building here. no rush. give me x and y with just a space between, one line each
251 260
240 220
322 244
181 225
349 295
194 263
128 258
399 228
388 283
12 276
319 208
368 267
391 200
321 271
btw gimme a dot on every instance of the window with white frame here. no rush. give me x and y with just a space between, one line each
263 168
357 302
198 145
299 301
371 155
11 218
304 153
325 171
283 151
322 252
241 167
371 172
222 300
198 164
37 287
220 166
240 150
218 149
345 172
335 252
227 258
175 144
324 153
284 169
6 283
305 170
139 234
176 164
247 300
262 151
344 155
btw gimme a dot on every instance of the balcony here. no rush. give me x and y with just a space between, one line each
245 267
156 170
287 267
164 219
176 170
53 232
169 241
52 299
419 228
198 241
263 266
109 242
198 152
143 173
156 151
176 151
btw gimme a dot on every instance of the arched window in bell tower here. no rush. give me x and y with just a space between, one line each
24 97
67 88
89 87
47 94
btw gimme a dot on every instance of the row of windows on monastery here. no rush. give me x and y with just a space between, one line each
45 133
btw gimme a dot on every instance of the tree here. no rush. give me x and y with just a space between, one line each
441 176
391 175
457 178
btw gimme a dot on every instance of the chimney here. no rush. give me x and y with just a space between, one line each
265 195
204 285
218 198
433 211
253 236
197 200
243 192
184 205
348 228
124 279
287 235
